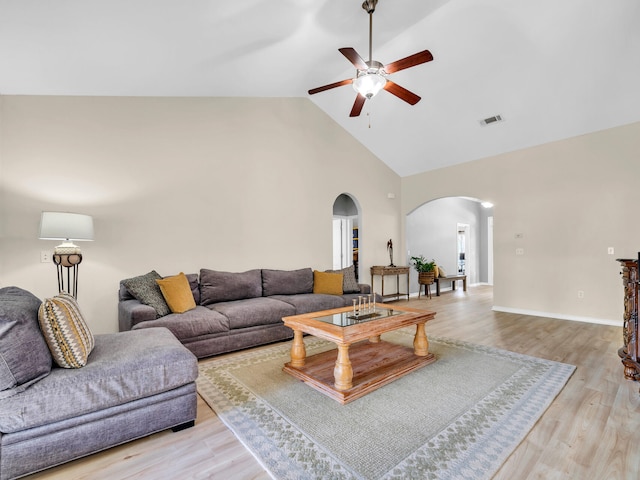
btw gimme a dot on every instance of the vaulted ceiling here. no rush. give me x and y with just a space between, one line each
551 69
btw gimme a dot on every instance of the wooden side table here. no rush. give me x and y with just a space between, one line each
384 271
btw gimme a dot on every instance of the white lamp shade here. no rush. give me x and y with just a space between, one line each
66 226
368 84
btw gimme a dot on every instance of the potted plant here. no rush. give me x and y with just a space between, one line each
425 269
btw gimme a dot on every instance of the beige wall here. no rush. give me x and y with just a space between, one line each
571 200
231 183
176 184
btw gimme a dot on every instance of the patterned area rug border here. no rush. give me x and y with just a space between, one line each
473 445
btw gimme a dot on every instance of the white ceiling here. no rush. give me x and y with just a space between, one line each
552 68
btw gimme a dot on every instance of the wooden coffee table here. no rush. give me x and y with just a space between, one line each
363 362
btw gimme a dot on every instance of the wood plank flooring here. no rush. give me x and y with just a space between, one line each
590 432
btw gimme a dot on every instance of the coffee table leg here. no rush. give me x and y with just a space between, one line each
298 352
375 339
420 342
343 373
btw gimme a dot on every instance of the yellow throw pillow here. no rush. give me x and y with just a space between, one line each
328 283
177 293
436 271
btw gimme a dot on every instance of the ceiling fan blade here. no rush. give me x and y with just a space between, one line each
330 86
410 61
401 92
354 58
357 106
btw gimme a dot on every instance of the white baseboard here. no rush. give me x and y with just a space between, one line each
560 316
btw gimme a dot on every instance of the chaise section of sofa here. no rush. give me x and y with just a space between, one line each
237 310
133 384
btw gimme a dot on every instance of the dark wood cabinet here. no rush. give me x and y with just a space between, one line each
629 351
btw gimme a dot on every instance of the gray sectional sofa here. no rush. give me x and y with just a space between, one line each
133 384
238 310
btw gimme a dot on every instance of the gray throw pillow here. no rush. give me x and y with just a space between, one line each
24 355
349 282
218 286
287 282
147 291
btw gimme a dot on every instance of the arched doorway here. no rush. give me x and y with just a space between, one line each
346 232
457 233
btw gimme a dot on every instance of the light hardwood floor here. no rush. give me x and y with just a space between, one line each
591 430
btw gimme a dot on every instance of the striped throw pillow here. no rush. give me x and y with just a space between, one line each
65 331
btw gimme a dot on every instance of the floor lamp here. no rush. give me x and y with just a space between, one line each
68 227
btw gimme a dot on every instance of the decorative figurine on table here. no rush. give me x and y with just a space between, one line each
390 250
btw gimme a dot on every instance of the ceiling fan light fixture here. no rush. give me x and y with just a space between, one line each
368 84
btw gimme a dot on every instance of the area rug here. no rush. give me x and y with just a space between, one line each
457 418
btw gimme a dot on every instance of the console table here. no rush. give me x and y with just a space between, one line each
384 271
630 351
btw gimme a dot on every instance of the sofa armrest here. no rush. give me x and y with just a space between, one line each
131 312
364 288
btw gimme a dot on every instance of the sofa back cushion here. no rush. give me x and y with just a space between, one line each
287 282
218 286
24 355
194 285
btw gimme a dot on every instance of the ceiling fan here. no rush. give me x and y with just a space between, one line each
371 76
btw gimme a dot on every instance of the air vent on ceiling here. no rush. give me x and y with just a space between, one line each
488 121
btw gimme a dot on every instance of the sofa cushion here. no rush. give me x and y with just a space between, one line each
177 293
65 331
123 367
218 286
254 311
194 323
287 282
24 355
147 291
312 302
194 284
327 283
349 282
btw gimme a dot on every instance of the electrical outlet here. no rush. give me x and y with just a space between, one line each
519 251
580 294
45 256
610 251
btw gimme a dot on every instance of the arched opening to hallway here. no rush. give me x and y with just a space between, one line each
456 232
